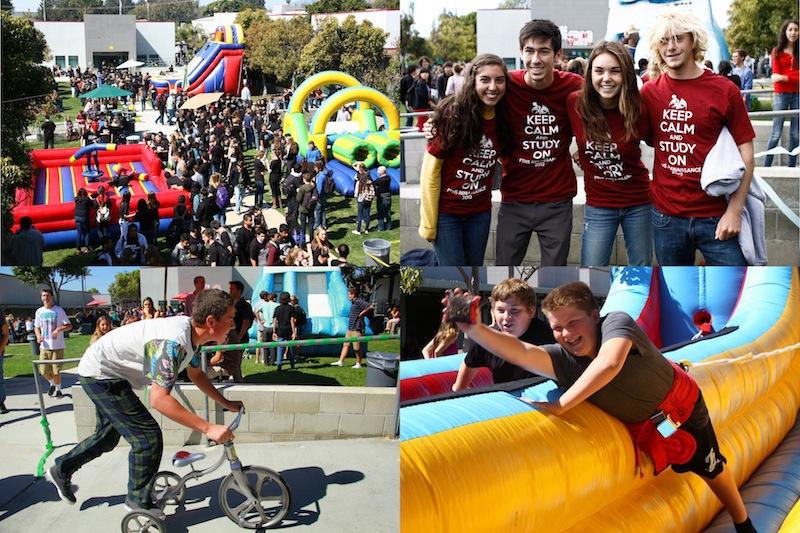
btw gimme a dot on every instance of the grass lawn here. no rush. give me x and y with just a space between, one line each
312 371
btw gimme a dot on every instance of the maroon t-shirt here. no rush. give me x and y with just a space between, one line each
686 117
614 175
538 168
467 174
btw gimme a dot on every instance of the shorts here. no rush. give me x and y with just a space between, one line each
707 460
354 333
51 355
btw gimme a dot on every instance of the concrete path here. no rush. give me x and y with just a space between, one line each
336 485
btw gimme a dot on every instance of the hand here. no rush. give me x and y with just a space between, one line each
294 336
455 309
429 130
554 408
729 225
233 405
219 433
274 336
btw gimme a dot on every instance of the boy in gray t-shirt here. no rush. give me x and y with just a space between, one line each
611 363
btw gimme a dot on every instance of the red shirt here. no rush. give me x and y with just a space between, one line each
786 64
539 168
614 175
467 174
686 117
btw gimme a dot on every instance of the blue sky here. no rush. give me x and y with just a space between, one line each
99 277
33 5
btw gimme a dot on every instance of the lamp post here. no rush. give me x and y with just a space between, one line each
147 3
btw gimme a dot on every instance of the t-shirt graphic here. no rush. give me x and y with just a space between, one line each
47 320
162 359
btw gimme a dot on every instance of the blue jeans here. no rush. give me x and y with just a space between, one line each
2 381
237 198
384 211
363 215
600 229
320 216
780 102
676 239
82 225
259 199
281 350
461 239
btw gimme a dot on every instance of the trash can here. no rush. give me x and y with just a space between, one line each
382 369
378 248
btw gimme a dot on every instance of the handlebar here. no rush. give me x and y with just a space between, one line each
235 423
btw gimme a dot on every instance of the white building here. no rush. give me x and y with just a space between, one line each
112 39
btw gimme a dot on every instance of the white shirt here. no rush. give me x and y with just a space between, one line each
47 320
144 352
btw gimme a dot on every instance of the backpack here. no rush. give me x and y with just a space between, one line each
309 199
224 255
290 186
328 185
368 194
234 242
222 197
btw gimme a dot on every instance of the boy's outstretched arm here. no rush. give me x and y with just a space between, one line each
609 361
527 356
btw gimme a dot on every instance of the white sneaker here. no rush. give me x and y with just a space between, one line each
337 363
356 232
357 365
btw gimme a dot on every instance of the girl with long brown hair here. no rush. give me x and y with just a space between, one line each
608 123
458 167
785 77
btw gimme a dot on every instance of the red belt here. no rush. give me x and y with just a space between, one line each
679 447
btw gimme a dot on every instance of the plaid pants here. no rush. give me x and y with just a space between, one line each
120 413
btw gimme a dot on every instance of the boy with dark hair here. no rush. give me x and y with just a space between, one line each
514 312
146 353
284 327
356 326
610 362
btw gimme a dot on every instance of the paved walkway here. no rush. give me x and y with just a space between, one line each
336 485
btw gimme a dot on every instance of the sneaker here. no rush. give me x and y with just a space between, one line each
357 365
356 232
3 409
336 363
58 394
63 485
155 511
52 390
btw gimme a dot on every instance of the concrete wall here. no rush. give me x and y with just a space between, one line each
274 413
156 38
110 33
64 39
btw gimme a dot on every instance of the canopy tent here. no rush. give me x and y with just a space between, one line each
181 297
131 63
105 91
201 100
98 303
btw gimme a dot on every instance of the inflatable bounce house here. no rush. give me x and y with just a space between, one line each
217 67
345 143
322 293
526 470
58 175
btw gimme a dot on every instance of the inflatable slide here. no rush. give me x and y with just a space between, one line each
217 67
321 292
59 173
345 143
529 471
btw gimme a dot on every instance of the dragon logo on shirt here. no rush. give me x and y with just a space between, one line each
540 109
677 103
486 142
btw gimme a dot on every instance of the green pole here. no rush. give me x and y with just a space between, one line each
48 447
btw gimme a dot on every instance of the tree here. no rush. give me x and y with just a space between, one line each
71 10
357 49
168 10
193 36
453 37
274 46
385 4
55 278
232 6
125 286
6 5
93 290
26 86
411 43
336 6
754 24
514 4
